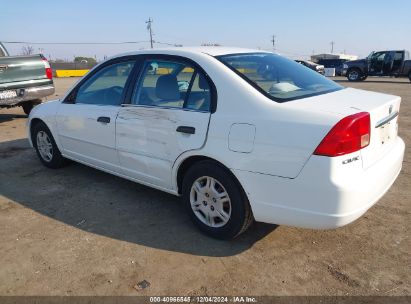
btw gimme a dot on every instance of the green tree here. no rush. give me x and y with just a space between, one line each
88 60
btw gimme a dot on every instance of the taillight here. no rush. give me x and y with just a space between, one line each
350 134
49 71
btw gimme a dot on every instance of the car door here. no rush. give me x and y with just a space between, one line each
376 63
168 114
388 63
397 62
86 118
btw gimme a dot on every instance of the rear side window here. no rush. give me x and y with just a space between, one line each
172 84
279 78
200 94
106 86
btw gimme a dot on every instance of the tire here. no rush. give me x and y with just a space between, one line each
354 75
409 76
43 141
223 218
27 107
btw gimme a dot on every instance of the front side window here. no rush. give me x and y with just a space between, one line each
106 86
277 77
173 85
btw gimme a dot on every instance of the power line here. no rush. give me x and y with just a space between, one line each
167 43
67 43
92 43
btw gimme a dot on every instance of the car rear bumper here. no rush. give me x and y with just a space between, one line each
25 94
321 197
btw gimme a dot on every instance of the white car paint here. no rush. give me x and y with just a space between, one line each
148 144
82 137
273 161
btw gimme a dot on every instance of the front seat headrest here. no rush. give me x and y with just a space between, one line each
167 87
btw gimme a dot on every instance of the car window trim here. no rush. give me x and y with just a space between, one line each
190 86
71 97
171 58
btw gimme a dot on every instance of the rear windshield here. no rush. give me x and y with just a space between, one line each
277 77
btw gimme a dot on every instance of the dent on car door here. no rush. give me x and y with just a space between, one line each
86 120
168 115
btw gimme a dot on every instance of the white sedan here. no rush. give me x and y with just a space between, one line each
239 134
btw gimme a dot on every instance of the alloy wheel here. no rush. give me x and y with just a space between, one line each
44 146
353 75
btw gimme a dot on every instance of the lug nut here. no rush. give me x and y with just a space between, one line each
204 203
212 208
207 195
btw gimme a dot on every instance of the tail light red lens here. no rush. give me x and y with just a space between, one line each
49 71
350 134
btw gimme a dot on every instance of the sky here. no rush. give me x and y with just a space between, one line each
301 28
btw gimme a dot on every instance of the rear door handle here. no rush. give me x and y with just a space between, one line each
103 119
186 129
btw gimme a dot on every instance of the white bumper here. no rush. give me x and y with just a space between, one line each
326 194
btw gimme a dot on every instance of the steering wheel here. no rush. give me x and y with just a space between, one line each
112 95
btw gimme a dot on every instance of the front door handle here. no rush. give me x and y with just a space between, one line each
103 119
186 129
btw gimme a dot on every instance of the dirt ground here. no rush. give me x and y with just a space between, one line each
79 231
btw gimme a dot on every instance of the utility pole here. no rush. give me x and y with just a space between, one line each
273 41
332 47
149 22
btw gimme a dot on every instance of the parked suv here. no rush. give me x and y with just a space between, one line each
381 63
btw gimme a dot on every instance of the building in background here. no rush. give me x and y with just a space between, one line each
315 58
333 63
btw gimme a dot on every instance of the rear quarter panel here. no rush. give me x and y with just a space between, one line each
285 135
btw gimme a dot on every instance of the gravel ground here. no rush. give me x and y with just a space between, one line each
79 231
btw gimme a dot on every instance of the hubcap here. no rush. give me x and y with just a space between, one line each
210 202
44 146
353 75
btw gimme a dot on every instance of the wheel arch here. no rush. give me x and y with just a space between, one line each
189 161
35 121
355 68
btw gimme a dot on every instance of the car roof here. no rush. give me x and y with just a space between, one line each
210 50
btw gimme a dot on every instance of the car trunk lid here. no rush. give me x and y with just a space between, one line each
383 109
